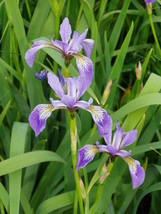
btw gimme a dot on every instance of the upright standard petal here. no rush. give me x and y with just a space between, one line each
88 46
65 30
129 138
86 155
81 86
85 68
38 117
31 53
117 136
55 84
102 119
137 172
75 44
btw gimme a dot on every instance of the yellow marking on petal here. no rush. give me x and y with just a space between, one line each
45 111
90 150
131 162
97 113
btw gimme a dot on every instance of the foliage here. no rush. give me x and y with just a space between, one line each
36 173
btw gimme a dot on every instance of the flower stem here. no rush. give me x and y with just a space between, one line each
73 133
154 33
66 72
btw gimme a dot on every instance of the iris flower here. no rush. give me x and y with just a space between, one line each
68 48
150 1
115 148
69 91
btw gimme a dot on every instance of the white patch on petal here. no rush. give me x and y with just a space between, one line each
45 111
97 113
90 151
83 63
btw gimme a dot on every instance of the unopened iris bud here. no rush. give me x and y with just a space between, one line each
82 188
42 75
106 92
104 174
138 70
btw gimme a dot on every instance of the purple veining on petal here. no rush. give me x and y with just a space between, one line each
85 68
31 53
137 172
101 118
88 46
129 138
38 117
65 30
86 155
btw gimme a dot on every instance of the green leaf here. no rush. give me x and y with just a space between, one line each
33 86
28 159
18 139
137 103
56 202
117 68
3 113
4 197
153 188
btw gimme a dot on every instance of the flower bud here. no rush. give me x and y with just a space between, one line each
106 93
138 70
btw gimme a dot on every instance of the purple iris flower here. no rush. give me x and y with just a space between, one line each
150 1
69 90
68 49
115 148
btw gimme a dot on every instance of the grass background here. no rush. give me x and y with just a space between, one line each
36 173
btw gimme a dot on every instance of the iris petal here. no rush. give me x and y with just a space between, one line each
83 104
31 53
137 172
65 30
55 84
85 68
38 117
88 46
75 44
86 155
117 136
129 138
123 153
101 118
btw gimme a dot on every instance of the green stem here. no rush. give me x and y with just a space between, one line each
154 33
66 72
86 185
73 133
75 208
